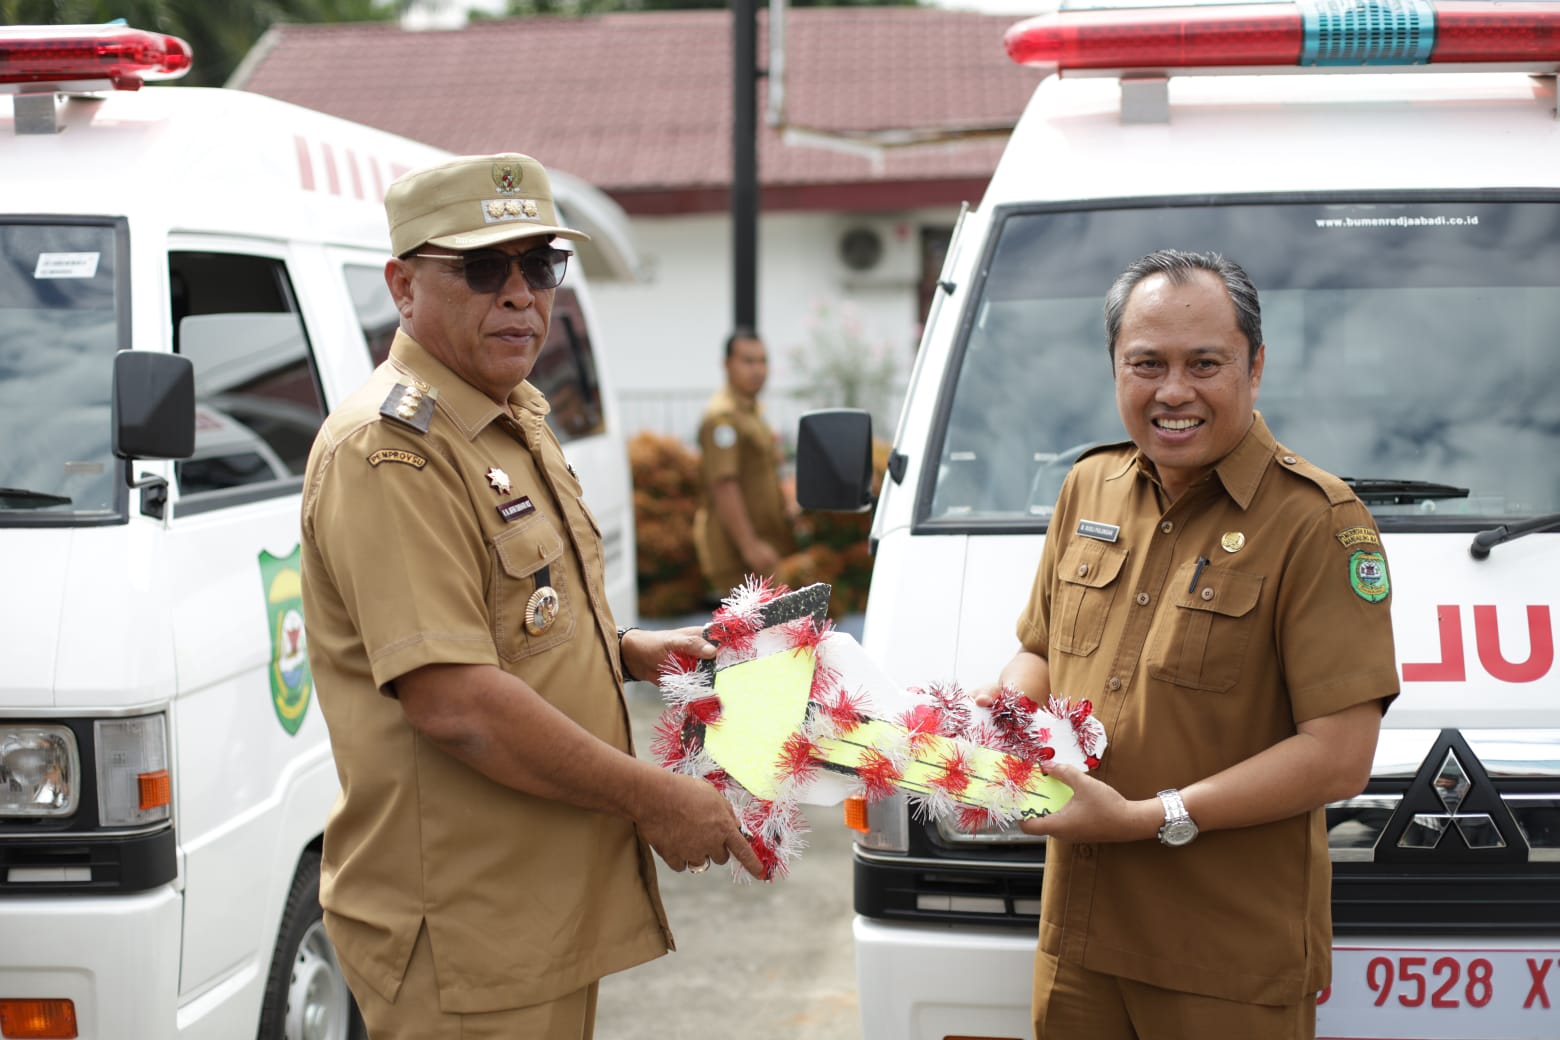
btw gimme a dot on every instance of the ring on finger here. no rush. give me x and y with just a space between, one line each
701 868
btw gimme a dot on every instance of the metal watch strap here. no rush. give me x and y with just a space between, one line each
1176 817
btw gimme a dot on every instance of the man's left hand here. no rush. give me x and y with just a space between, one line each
645 650
1097 812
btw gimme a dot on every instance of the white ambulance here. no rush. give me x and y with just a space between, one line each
1388 171
189 279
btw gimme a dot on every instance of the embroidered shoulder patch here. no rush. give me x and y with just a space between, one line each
410 458
1368 575
1349 537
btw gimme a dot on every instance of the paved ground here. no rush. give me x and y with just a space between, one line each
760 961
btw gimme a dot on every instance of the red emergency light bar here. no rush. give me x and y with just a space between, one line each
1307 33
86 56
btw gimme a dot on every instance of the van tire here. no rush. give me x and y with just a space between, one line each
306 995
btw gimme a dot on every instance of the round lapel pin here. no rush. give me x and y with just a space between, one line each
541 610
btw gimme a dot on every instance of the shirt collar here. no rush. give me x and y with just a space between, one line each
470 408
1239 472
739 402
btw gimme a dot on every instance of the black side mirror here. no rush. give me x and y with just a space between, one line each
834 460
153 406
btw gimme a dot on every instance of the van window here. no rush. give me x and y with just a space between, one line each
257 397
375 308
1409 339
565 371
63 315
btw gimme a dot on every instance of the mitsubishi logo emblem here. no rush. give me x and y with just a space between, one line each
1452 785
1452 813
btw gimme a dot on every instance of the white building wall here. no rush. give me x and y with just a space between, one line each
663 337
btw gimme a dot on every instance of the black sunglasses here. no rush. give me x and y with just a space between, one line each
487 271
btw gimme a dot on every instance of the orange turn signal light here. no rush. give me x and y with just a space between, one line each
156 789
856 814
37 1019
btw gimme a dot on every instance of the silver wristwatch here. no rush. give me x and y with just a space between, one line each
1178 828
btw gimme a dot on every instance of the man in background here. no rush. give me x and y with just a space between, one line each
743 524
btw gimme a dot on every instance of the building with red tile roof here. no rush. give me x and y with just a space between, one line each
639 104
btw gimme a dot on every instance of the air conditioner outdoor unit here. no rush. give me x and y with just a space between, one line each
877 252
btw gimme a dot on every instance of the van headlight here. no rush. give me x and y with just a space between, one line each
134 784
40 770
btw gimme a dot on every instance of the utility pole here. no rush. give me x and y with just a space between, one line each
744 163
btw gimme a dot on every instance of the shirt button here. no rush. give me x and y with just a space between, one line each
1142 598
1085 851
1167 527
1114 683
1290 460
1207 593
1083 569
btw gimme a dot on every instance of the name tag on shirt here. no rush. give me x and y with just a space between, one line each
516 508
1098 531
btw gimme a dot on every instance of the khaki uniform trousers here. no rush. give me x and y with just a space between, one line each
1073 1003
415 1014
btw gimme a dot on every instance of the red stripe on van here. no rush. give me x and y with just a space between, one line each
357 178
305 164
331 178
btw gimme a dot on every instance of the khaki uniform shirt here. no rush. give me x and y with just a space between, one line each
735 441
424 546
1286 621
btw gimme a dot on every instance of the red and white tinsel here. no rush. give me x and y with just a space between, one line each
847 692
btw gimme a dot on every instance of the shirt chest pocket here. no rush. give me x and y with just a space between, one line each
1085 587
1202 643
528 559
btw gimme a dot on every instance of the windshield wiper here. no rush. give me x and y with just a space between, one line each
1484 541
21 498
1402 492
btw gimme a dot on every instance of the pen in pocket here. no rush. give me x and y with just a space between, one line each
1202 561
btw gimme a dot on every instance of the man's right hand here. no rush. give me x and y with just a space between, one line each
689 823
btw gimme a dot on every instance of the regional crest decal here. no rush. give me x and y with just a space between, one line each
1368 575
291 684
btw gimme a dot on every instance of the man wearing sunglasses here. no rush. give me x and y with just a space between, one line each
488 859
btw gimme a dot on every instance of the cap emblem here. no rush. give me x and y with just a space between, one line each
506 177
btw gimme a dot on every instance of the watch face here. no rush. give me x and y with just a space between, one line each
1178 833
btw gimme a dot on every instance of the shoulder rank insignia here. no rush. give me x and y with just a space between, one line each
411 406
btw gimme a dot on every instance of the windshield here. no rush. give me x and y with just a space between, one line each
62 317
1410 342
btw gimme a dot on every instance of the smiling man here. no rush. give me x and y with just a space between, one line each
1223 604
488 859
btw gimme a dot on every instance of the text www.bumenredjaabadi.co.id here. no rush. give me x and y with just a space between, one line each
1396 222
